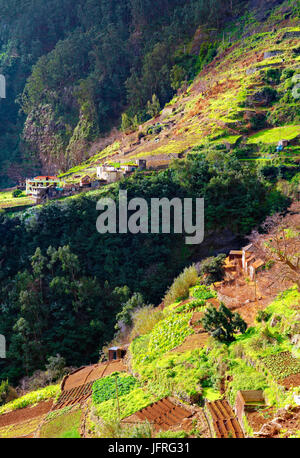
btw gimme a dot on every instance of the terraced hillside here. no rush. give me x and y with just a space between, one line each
245 99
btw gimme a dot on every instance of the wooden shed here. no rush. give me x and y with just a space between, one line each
235 255
116 353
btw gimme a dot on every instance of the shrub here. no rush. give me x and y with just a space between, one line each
144 320
222 323
31 398
153 107
17 193
181 285
262 315
129 403
213 268
204 293
124 317
113 429
172 435
272 75
56 367
4 387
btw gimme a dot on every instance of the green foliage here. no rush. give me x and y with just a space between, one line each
262 315
272 75
4 387
106 388
212 268
64 426
171 435
144 319
245 378
56 367
31 398
177 76
181 285
169 333
17 193
282 365
129 403
222 323
203 292
153 106
124 317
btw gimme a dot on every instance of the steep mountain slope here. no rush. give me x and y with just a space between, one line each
244 100
73 68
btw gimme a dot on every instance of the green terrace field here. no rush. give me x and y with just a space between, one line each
272 136
8 201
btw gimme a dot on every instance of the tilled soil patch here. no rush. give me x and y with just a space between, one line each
290 381
28 413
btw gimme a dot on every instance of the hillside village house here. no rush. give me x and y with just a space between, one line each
111 174
34 185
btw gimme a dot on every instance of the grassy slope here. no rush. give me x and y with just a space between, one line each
8 201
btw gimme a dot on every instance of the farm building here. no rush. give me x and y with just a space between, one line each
235 255
129 168
248 400
109 173
116 353
41 182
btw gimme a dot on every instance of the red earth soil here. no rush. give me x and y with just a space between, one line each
225 422
290 381
77 387
28 413
91 373
162 414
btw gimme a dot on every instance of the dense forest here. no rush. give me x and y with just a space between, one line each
73 66
59 275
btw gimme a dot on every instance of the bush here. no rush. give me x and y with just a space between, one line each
262 315
4 387
181 285
56 367
144 320
222 323
204 293
124 317
113 429
153 107
31 398
17 193
272 75
213 268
